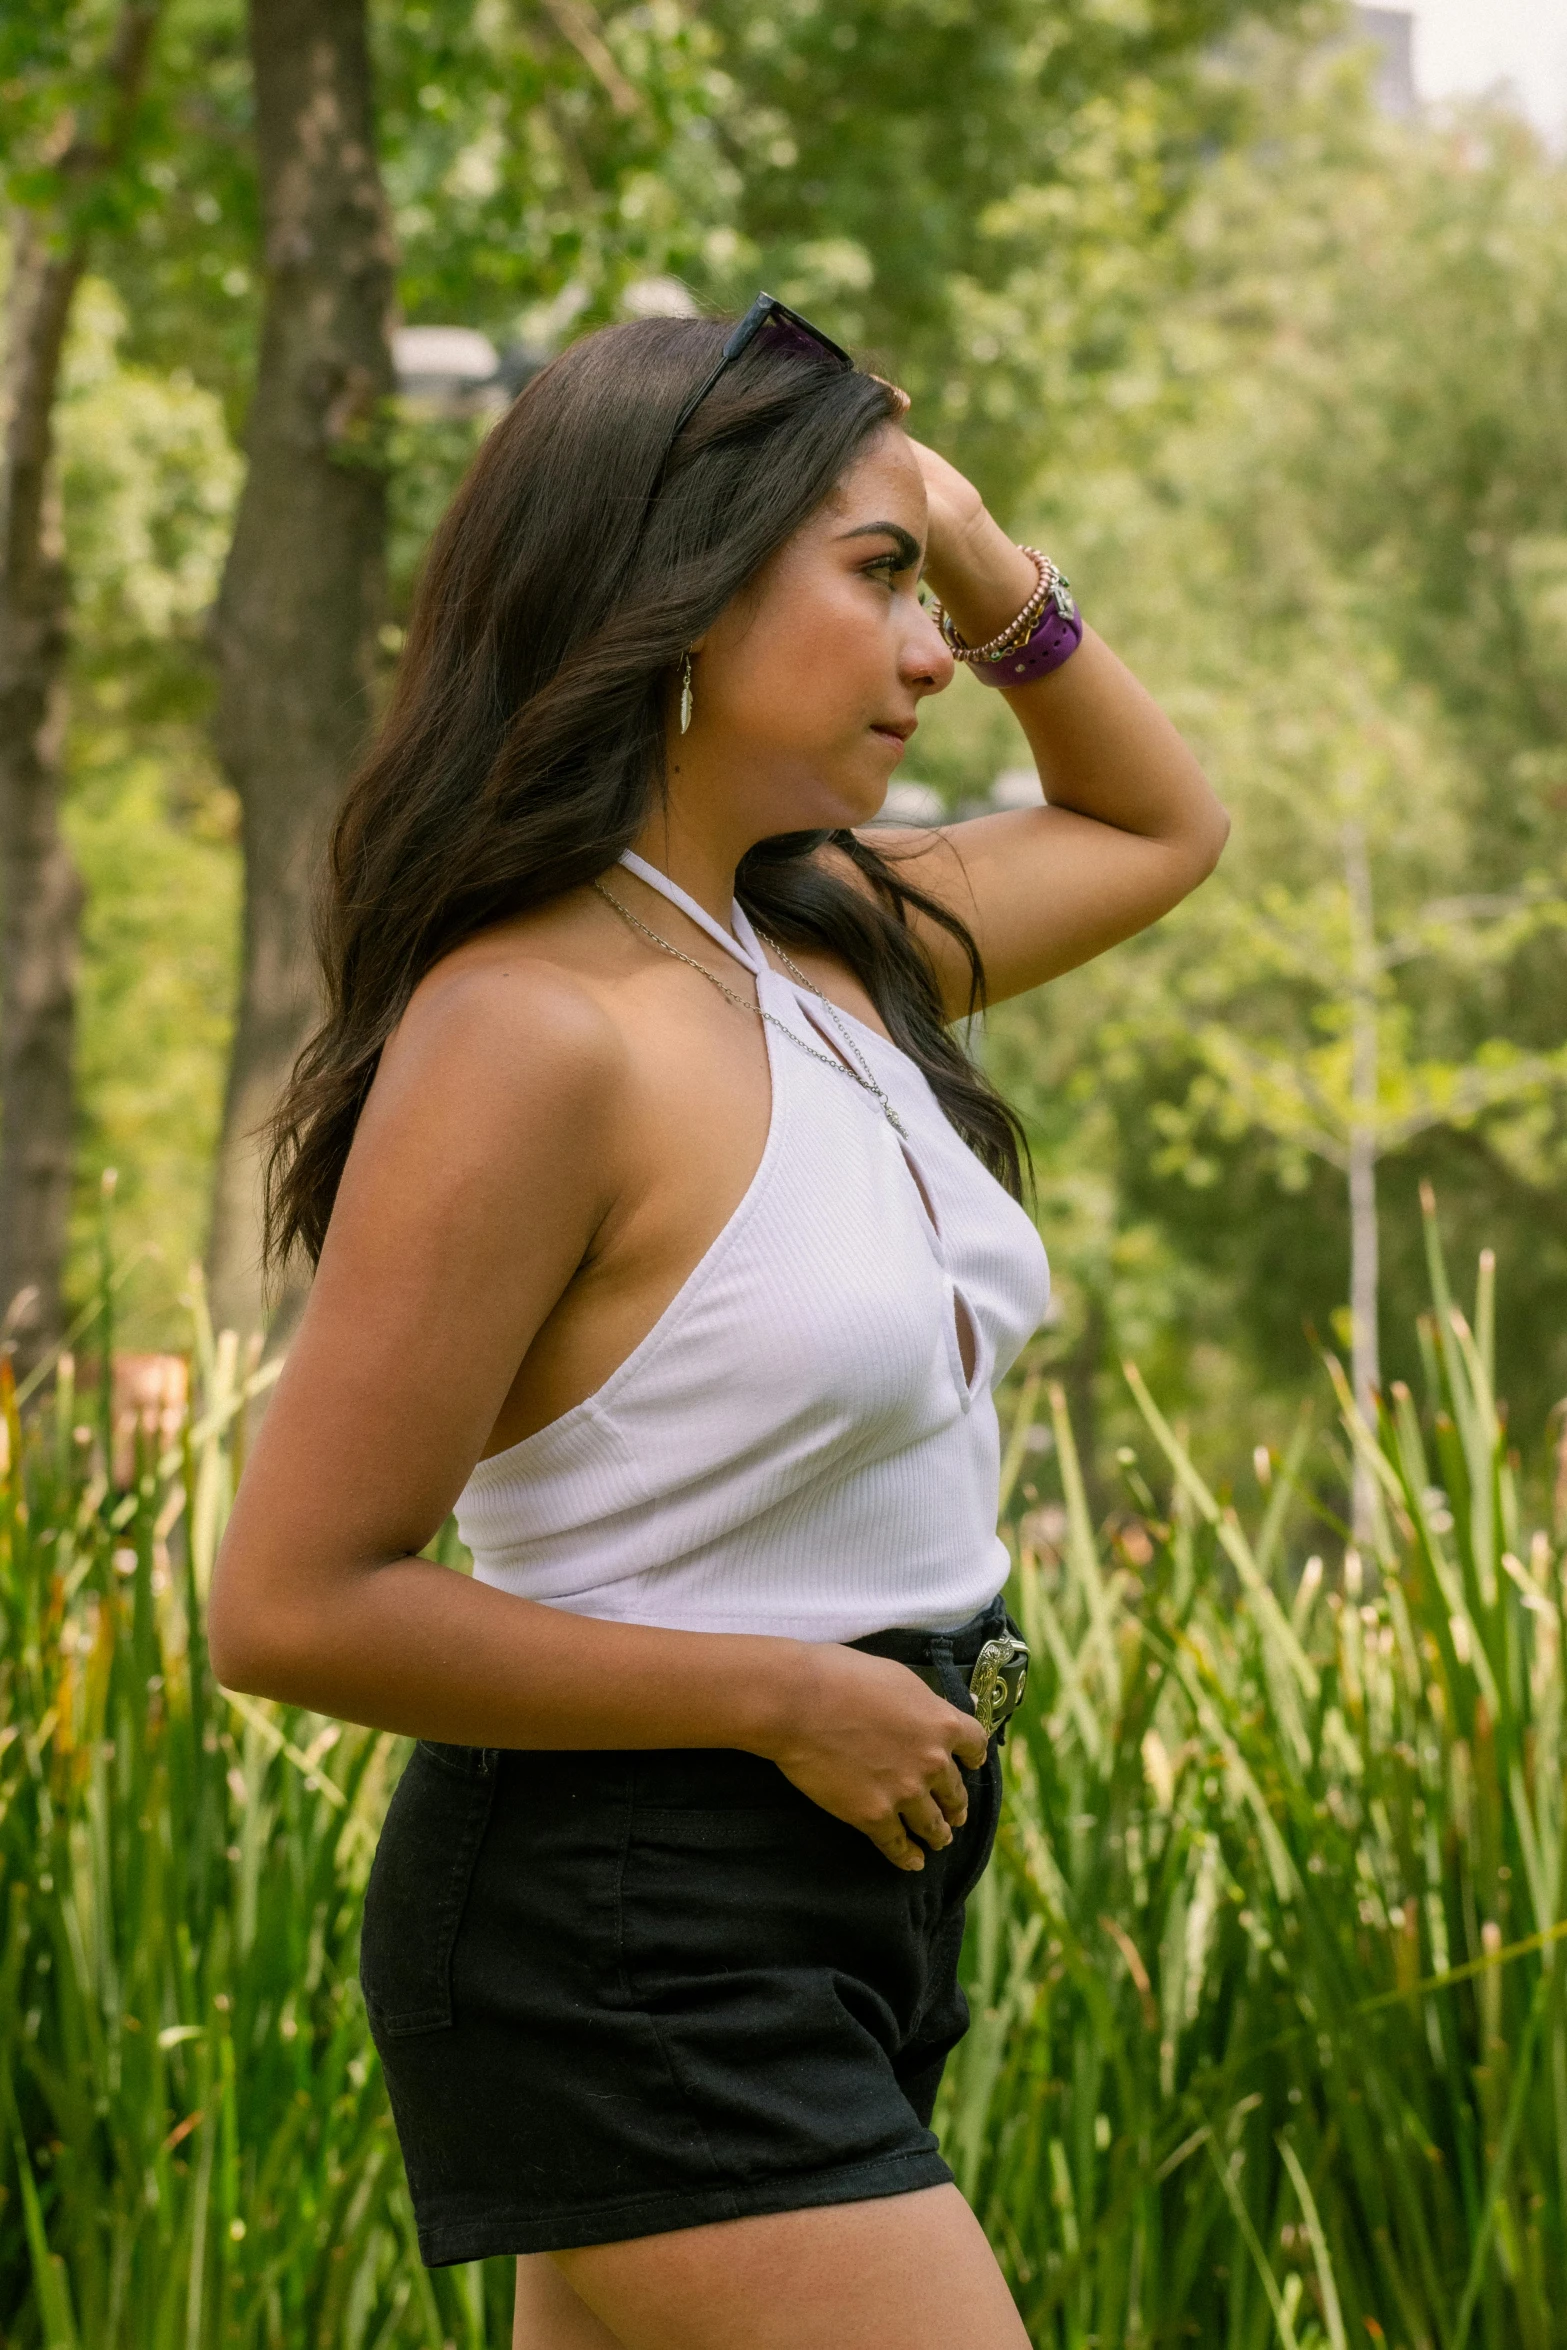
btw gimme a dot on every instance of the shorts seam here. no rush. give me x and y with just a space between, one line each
682 2091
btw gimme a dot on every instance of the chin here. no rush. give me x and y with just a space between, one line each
864 809
863 800
833 803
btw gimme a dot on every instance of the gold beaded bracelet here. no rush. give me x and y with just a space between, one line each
1017 630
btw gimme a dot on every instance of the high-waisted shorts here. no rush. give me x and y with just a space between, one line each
616 1993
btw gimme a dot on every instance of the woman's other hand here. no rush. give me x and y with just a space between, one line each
873 1745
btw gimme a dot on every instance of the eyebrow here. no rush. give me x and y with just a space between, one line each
908 546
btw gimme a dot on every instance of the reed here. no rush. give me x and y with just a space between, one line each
195 2148
1268 1985
1269 2040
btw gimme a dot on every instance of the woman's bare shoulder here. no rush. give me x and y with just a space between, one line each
496 1111
512 1022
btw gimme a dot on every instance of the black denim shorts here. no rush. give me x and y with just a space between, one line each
616 1993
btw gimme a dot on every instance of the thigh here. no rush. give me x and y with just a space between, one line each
547 2314
907 2272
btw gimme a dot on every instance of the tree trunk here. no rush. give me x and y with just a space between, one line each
303 587
40 917
43 893
1365 1349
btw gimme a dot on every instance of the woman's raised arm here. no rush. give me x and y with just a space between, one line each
1131 824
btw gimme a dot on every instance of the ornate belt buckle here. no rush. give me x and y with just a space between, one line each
998 1680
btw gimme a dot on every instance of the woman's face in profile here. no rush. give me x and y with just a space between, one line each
806 687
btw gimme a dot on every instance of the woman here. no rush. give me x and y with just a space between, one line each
694 1316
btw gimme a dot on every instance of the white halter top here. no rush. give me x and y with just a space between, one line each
794 1447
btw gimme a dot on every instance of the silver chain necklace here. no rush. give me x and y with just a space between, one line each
854 1064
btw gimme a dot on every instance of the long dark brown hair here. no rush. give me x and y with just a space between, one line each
524 742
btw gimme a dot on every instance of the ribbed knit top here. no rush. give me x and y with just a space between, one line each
794 1447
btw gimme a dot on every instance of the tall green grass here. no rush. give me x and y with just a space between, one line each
195 2148
1267 1979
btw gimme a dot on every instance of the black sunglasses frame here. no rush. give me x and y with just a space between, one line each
766 310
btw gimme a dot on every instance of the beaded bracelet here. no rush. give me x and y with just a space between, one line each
1046 632
1016 630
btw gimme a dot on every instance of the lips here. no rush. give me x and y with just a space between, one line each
901 731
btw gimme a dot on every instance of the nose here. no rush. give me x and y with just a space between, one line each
927 662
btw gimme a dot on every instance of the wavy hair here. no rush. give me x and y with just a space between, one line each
524 742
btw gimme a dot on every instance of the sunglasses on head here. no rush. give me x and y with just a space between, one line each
766 311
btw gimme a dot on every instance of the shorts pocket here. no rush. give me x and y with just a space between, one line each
418 1888
735 1894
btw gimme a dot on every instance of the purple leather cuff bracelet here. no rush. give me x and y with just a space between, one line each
1055 640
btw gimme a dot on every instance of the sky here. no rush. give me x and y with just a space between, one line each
1464 46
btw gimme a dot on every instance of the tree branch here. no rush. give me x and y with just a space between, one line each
1474 1090
576 22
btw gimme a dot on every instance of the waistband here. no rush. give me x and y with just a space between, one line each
980 1666
909 1645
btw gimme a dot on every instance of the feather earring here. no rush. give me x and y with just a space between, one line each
685 692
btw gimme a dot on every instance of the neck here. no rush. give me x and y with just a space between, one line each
702 867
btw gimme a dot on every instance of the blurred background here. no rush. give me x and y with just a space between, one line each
1254 313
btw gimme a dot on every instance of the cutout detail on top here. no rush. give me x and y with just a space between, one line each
968 1335
926 1202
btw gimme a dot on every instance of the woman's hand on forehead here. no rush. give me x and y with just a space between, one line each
953 503
1126 824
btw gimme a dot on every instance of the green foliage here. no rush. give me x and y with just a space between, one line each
996 243
1270 2041
544 155
148 485
195 2147
149 480
1284 386
1285 406
189 273
155 1024
58 106
1268 546
1292 433
1269 2036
